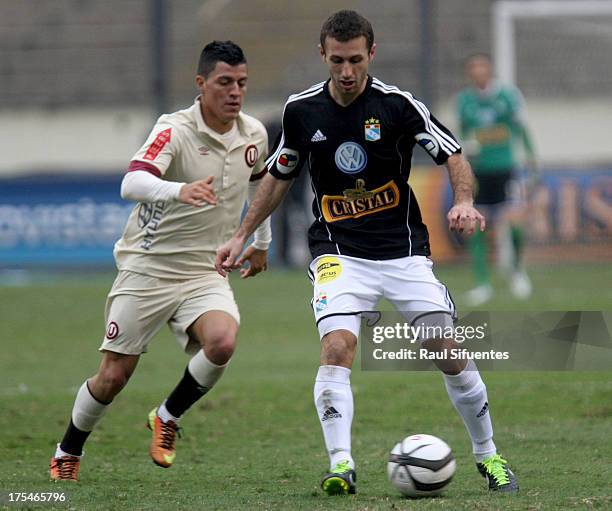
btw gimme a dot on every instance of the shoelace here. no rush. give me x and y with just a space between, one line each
495 466
343 466
67 467
168 434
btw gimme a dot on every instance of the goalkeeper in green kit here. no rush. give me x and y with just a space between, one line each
492 125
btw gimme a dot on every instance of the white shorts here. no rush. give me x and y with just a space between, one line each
138 306
345 287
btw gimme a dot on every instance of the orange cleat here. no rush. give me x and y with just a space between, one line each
162 449
65 468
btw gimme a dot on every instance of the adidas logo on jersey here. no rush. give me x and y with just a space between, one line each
331 413
318 137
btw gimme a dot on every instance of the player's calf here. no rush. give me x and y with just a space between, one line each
113 374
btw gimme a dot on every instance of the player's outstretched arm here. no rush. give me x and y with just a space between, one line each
141 186
463 216
269 195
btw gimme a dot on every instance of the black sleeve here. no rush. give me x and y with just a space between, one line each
428 132
289 152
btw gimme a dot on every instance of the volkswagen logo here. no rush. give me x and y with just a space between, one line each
351 158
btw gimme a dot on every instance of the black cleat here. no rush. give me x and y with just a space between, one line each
342 480
495 469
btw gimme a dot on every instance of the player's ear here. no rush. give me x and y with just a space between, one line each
372 51
321 52
200 82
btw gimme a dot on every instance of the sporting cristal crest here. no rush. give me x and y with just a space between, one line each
372 130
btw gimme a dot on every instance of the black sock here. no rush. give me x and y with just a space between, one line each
73 440
187 392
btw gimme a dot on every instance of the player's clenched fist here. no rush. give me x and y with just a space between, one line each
464 218
198 193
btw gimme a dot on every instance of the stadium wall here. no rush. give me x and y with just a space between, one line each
575 133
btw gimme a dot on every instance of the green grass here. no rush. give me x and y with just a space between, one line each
255 441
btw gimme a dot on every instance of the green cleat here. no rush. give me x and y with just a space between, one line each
342 480
495 469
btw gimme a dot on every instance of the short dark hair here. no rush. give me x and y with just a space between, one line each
479 55
219 51
346 25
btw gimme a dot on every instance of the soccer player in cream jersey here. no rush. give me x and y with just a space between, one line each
368 240
191 179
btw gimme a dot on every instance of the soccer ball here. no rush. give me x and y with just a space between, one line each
421 466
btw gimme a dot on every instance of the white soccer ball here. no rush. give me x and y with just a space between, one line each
421 466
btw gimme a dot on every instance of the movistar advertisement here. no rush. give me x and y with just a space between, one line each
60 219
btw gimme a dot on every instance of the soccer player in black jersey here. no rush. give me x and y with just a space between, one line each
368 240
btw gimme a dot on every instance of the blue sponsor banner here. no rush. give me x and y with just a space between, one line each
61 219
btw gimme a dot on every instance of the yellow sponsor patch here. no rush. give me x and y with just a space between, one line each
358 202
496 134
328 269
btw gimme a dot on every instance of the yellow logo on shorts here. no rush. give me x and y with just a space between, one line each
328 269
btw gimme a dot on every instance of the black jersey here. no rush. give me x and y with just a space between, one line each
359 158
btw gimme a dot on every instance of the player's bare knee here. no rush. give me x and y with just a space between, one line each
338 348
432 325
451 367
446 364
118 376
220 348
114 373
108 383
216 333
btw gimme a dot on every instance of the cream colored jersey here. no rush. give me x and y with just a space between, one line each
176 240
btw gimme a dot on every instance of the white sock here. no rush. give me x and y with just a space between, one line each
59 453
87 410
468 394
204 371
165 415
334 402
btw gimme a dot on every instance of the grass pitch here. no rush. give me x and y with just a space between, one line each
255 442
